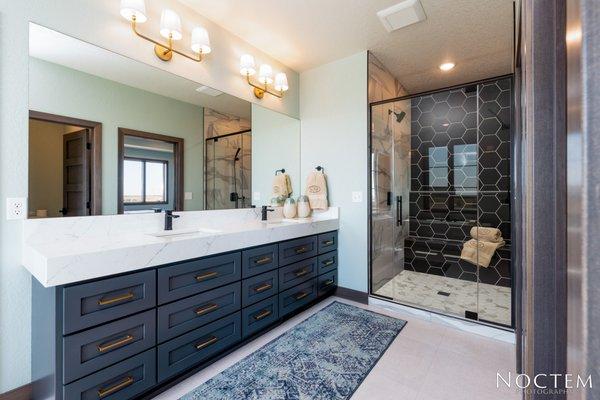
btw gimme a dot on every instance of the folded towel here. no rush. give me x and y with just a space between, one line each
492 235
282 185
316 190
479 252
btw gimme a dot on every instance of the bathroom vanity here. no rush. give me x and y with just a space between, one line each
179 303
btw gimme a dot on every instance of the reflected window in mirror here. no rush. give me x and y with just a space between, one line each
145 181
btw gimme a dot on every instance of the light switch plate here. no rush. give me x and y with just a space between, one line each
188 196
16 208
357 197
256 196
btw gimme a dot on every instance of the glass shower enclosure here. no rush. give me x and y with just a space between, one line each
439 167
228 171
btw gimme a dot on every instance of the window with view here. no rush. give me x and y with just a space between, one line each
144 181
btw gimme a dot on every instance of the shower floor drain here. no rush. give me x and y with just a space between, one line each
443 293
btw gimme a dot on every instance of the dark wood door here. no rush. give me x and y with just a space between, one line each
76 174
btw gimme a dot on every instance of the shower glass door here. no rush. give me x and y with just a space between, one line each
440 167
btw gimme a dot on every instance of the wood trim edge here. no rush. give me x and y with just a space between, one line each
24 392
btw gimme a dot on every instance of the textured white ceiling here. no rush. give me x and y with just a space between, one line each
475 34
61 49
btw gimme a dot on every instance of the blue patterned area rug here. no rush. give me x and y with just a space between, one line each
327 356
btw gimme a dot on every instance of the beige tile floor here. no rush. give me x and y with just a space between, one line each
426 361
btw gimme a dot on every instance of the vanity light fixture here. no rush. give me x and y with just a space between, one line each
265 78
447 66
170 28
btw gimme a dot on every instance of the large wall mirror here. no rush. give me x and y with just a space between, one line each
108 135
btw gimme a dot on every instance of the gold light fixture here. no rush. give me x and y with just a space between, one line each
265 78
170 28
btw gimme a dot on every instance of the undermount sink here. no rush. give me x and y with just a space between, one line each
189 231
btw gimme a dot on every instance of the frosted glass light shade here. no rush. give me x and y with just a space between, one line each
265 74
200 40
281 83
170 24
247 65
134 8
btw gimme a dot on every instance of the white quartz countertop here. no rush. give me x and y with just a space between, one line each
60 251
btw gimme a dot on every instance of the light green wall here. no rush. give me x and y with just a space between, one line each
275 145
333 115
59 90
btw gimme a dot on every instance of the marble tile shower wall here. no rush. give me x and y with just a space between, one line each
220 179
460 177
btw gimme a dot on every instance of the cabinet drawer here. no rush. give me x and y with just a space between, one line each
97 302
297 273
191 313
328 242
124 380
327 282
192 277
258 260
259 316
199 345
296 297
327 262
96 348
259 288
297 249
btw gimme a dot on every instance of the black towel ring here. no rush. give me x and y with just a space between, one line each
319 168
282 170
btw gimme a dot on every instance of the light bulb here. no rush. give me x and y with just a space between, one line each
281 83
265 74
170 25
247 65
134 9
200 40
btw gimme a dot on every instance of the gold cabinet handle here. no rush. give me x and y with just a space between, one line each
328 283
117 343
263 314
206 309
206 343
125 297
207 275
302 272
300 250
301 295
264 260
327 242
328 262
262 288
115 388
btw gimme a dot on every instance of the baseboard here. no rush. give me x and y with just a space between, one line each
351 294
20 393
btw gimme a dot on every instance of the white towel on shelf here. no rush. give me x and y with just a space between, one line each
316 190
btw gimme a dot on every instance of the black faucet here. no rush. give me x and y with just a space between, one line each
169 220
263 212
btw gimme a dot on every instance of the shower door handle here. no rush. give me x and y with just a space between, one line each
398 210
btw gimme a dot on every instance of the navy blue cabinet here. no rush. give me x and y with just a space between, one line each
119 337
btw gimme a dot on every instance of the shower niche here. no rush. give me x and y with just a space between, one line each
441 165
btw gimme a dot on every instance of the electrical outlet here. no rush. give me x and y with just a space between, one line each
188 196
16 208
256 196
357 197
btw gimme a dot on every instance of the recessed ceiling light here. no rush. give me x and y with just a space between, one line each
447 66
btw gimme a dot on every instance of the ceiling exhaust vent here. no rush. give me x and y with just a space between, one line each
208 91
402 14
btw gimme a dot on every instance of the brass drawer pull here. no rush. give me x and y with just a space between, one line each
262 288
115 388
301 272
302 295
328 283
264 260
327 242
207 275
300 250
207 309
120 342
328 262
125 297
262 314
211 340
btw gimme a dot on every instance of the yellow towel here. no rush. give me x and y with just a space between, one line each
492 235
282 185
316 190
479 252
